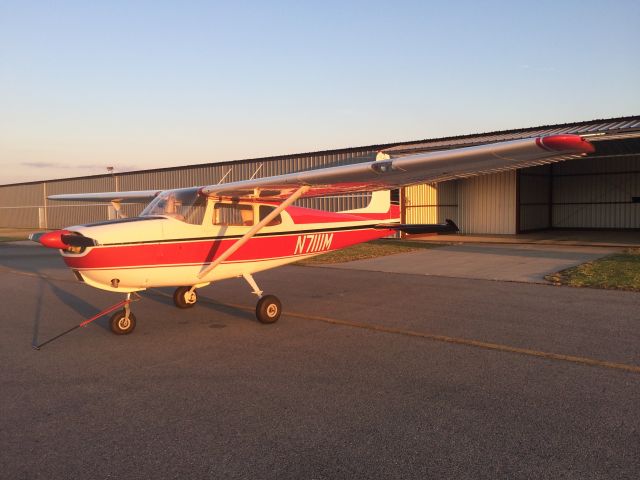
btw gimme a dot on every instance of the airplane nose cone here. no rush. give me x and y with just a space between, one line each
50 239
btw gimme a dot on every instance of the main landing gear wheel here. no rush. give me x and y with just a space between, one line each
268 309
121 324
184 297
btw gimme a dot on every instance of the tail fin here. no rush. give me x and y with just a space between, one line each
380 203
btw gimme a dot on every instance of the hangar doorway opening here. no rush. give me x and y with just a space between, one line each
596 193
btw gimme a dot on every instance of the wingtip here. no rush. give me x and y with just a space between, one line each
565 143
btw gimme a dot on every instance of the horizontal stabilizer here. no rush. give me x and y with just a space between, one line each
421 228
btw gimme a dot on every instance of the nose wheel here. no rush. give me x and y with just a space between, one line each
123 321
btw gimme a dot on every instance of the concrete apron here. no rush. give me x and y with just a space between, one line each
515 263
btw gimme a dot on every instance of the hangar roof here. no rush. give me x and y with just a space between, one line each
595 130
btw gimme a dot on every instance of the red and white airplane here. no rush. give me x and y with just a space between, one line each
191 237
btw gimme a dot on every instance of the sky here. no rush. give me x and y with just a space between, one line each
146 84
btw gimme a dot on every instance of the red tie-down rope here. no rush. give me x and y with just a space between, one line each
89 320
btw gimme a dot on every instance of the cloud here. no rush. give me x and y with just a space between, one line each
75 166
40 164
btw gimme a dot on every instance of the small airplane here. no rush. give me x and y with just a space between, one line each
191 237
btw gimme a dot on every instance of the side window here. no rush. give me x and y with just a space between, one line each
195 215
232 214
266 210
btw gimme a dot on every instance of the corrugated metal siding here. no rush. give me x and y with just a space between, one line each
421 203
487 204
19 205
19 217
597 193
595 165
81 185
68 215
21 195
431 203
534 186
596 216
62 214
534 217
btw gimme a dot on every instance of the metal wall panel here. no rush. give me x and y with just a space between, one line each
597 193
19 217
487 204
610 216
81 185
534 193
21 195
69 215
61 214
19 205
64 214
534 217
431 203
596 165
421 203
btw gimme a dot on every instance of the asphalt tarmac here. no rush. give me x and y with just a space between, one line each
366 375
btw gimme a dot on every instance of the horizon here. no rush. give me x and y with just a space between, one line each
111 171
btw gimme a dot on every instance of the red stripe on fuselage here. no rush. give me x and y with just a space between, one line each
205 251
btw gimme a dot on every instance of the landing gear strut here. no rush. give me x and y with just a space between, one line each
269 307
123 321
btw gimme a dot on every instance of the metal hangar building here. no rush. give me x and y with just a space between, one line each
600 191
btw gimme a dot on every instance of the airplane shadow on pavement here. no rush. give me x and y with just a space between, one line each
164 297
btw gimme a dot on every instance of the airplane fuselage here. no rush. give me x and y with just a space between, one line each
157 251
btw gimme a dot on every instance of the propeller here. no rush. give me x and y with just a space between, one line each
62 239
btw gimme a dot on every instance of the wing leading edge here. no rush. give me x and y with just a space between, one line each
427 167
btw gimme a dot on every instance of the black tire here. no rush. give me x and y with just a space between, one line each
268 309
120 325
183 299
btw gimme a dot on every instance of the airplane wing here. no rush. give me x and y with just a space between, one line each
140 196
393 173
418 168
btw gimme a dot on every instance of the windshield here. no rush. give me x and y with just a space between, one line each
186 205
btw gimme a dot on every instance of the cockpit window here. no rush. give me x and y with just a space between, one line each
186 205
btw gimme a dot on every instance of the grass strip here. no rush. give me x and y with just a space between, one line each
620 271
363 251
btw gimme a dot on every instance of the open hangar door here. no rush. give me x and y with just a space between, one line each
599 192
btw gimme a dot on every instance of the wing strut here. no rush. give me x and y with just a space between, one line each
255 229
